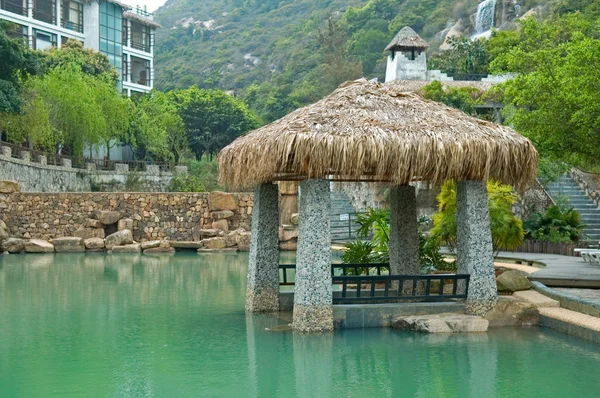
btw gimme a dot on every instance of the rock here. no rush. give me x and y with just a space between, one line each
131 248
289 246
510 311
69 245
243 241
119 238
150 244
125 223
221 215
153 251
108 217
513 281
231 238
441 323
38 246
9 186
13 245
3 225
186 245
288 232
215 243
209 233
3 235
87 233
221 225
221 201
456 30
294 219
91 223
94 244
165 243
529 14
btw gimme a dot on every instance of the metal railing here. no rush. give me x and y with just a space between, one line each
140 46
344 226
13 6
467 77
72 26
45 17
376 285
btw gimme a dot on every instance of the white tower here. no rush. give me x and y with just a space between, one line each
407 60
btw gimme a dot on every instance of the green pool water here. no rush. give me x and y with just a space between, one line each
109 326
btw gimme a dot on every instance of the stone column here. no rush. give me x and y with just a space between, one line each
474 251
313 309
262 291
404 231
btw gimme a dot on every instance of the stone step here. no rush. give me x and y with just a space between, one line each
572 323
536 298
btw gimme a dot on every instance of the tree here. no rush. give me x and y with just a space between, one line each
212 119
465 57
463 98
553 98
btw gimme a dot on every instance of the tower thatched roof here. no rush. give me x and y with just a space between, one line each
407 39
366 131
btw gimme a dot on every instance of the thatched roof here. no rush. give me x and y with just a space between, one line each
407 39
367 131
141 19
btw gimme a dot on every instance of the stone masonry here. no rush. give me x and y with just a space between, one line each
404 234
474 249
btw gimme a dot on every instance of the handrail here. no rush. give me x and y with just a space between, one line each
548 197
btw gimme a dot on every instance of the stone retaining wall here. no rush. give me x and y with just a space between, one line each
35 175
156 216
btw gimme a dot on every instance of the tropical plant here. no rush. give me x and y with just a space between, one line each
184 182
506 227
558 224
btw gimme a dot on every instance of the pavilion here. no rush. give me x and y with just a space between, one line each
371 132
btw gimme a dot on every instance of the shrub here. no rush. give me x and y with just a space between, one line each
185 182
558 224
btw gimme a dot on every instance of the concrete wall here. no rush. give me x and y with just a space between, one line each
38 177
402 68
172 216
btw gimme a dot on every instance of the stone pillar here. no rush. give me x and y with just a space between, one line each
121 168
90 166
6 151
474 251
66 163
26 156
313 309
404 232
262 291
42 160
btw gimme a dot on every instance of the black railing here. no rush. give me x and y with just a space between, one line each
72 26
14 7
467 77
399 287
336 269
44 16
140 46
344 227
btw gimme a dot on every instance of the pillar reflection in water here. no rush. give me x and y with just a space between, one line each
313 360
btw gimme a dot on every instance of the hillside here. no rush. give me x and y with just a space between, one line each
279 54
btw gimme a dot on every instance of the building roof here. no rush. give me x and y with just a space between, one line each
141 19
407 39
120 4
368 131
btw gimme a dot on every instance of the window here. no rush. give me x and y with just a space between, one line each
72 15
110 34
140 37
14 6
43 40
45 11
140 71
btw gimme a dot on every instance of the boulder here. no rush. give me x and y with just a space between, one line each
125 223
294 219
13 245
288 232
150 244
94 244
87 233
441 323
9 186
3 225
108 217
119 238
69 245
456 31
231 238
155 251
215 243
289 246
91 223
131 248
510 311
3 234
513 281
221 225
243 241
38 246
165 243
222 215
221 201
209 233
186 245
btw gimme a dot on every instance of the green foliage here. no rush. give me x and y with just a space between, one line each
89 61
550 170
206 172
553 97
558 224
212 119
507 229
184 182
133 183
465 57
463 98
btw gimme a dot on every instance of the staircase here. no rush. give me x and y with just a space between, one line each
590 214
342 230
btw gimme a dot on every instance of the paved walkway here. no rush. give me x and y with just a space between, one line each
560 271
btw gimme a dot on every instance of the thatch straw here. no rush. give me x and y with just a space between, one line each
407 39
368 131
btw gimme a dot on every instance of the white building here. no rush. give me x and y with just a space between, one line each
124 34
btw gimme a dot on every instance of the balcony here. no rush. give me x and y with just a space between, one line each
141 37
72 26
72 15
45 11
14 6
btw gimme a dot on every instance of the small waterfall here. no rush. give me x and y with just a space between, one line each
484 19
